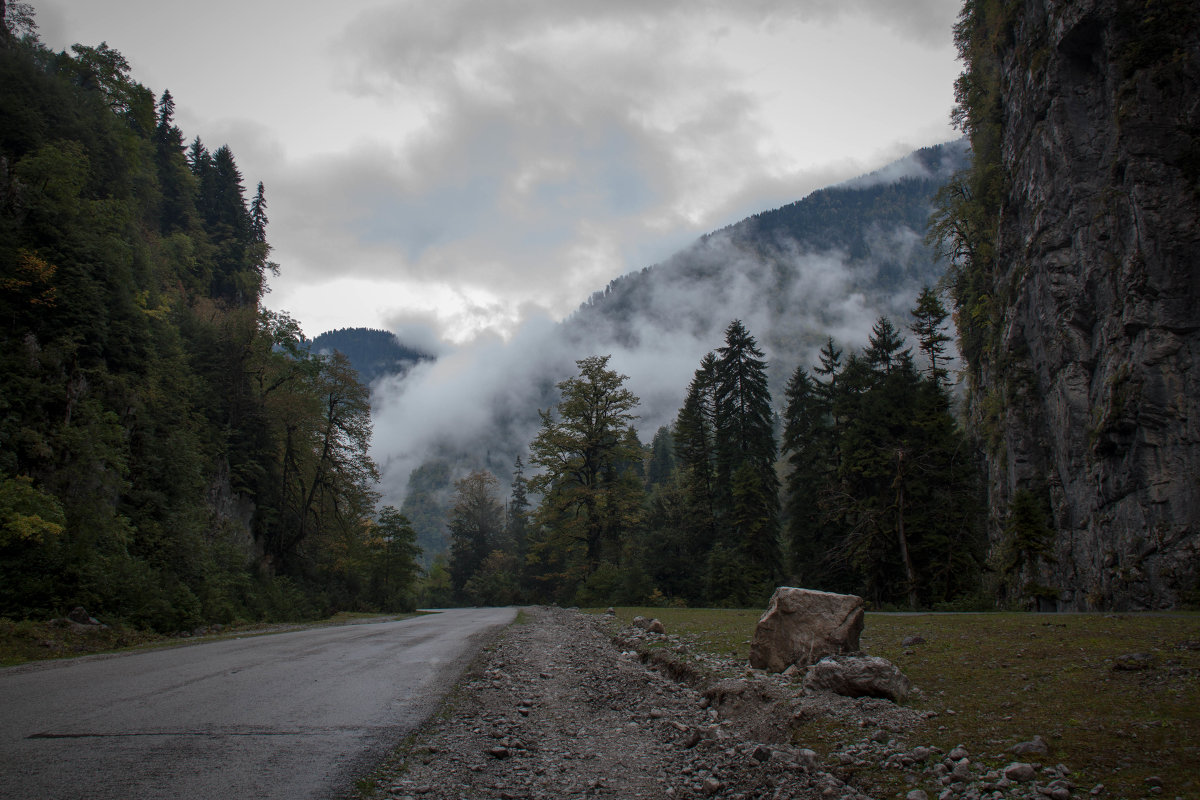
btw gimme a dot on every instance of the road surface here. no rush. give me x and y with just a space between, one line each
290 715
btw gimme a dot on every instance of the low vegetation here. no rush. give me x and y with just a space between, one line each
26 640
1116 696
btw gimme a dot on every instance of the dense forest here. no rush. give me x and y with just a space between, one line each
865 484
170 450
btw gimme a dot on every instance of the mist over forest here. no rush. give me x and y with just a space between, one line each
828 265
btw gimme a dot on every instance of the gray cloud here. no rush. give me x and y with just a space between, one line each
560 143
477 405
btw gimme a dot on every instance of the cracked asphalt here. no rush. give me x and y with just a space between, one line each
290 715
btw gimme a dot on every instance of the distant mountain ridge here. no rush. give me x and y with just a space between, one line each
372 352
790 269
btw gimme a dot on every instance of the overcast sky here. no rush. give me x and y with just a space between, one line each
461 166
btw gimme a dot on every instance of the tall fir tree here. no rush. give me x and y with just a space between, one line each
747 486
807 434
695 453
929 326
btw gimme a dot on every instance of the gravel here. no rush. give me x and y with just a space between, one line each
558 706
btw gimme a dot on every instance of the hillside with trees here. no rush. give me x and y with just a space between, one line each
372 353
826 265
170 451
793 267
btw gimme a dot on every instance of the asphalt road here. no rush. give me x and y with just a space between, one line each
289 715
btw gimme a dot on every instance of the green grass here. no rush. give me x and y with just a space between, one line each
1009 676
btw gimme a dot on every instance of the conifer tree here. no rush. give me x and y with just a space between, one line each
695 451
806 442
258 215
517 525
661 462
747 487
929 321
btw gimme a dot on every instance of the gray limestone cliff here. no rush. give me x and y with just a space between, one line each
1097 356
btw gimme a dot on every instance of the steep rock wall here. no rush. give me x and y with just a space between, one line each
1098 261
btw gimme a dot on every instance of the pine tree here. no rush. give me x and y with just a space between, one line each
178 184
745 449
258 215
929 320
517 525
807 434
695 451
884 347
661 462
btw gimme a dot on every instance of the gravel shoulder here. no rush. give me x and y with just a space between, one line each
565 704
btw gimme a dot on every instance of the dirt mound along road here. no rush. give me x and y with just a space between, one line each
553 709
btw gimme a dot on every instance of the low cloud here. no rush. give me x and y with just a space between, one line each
477 405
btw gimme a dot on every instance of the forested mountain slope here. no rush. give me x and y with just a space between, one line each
372 353
826 263
825 266
169 452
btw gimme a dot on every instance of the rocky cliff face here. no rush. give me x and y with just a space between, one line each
1098 269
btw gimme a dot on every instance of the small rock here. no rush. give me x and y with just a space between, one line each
710 787
916 794
1020 772
858 676
1133 661
920 753
1036 746
1058 790
807 758
958 753
911 640
81 617
880 736
499 752
1057 793
655 626
761 753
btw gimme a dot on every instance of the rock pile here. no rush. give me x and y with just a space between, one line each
554 710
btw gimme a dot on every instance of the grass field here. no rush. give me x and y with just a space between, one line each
998 679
